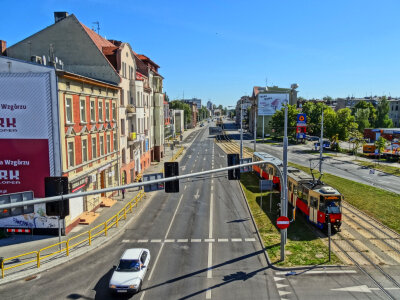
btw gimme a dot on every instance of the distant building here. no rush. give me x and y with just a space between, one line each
246 102
394 111
193 100
209 105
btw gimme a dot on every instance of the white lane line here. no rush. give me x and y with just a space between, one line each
236 240
223 240
125 241
210 227
212 180
142 241
209 271
162 244
169 241
185 187
208 294
182 240
250 239
155 241
195 240
212 187
209 240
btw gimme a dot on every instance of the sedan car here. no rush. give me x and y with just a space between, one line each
129 274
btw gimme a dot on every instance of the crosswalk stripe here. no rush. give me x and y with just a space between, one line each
125 241
220 240
169 241
182 240
142 241
155 241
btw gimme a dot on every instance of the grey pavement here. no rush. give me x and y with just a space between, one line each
17 244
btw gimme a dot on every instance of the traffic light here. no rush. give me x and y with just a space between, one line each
233 159
171 170
55 186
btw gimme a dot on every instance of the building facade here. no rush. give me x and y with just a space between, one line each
394 111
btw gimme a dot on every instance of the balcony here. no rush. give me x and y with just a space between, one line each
130 110
132 138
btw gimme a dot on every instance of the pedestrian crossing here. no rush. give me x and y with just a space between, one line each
219 240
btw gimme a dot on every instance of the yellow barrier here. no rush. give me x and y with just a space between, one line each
68 246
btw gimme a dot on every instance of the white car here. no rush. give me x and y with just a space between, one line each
129 274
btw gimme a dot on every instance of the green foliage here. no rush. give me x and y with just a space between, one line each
177 104
345 121
381 144
330 122
361 118
382 114
202 113
278 120
356 138
371 111
313 112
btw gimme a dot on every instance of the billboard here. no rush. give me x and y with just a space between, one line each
268 104
28 130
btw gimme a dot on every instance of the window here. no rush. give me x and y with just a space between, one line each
138 99
108 143
123 156
68 85
94 148
101 145
114 112
100 111
71 160
115 141
83 110
107 111
116 173
68 110
84 151
122 97
123 126
92 112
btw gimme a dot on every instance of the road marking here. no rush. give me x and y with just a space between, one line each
223 240
169 241
212 187
185 187
283 293
362 288
155 241
278 285
209 240
182 240
236 240
209 271
250 239
195 240
278 278
197 196
208 294
142 241
320 272
125 241
162 244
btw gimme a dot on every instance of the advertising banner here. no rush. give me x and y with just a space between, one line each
268 104
26 132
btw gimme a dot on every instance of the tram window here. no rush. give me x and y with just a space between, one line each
313 201
271 171
322 206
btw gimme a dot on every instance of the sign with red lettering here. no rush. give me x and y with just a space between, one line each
282 222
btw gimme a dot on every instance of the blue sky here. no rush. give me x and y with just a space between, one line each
218 50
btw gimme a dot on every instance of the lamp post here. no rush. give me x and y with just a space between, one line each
241 129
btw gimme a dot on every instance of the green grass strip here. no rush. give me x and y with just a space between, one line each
303 246
377 166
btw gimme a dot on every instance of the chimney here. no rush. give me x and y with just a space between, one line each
3 47
59 15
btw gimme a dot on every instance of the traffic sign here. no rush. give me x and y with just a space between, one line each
301 119
282 222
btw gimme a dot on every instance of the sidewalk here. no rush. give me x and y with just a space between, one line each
19 244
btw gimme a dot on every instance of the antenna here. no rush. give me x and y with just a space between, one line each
98 26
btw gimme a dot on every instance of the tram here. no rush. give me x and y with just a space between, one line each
313 198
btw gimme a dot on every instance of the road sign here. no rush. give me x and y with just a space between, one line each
301 119
154 186
246 161
266 185
282 222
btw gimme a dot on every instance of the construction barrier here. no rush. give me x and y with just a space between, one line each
83 239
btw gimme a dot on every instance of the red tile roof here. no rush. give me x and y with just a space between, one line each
97 39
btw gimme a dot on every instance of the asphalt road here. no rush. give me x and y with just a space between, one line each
202 243
342 168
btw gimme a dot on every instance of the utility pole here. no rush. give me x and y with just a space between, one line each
255 124
321 145
241 129
284 183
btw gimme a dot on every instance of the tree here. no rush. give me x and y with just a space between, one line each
371 111
177 104
382 114
330 122
278 120
313 112
356 138
345 121
361 118
381 144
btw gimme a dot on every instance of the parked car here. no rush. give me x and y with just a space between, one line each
326 144
129 274
312 138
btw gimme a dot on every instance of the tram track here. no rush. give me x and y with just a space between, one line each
229 146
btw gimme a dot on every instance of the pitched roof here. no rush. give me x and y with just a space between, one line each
97 39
